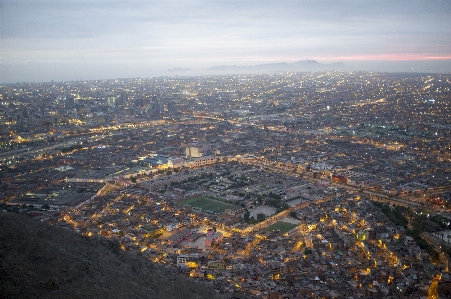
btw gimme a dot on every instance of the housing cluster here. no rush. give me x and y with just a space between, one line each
290 185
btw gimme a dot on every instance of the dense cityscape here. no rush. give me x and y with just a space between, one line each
284 185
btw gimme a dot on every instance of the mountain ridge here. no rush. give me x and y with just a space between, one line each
303 65
42 261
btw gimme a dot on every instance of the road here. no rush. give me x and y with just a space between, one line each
19 153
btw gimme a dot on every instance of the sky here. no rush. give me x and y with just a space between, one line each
92 39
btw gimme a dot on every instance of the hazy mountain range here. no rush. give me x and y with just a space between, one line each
305 65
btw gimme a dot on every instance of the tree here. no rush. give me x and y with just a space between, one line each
261 217
246 216
45 207
133 179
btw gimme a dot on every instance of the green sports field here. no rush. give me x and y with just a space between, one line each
205 204
282 226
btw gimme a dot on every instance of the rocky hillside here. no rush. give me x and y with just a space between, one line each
41 261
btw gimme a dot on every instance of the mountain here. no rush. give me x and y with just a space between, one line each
305 65
42 261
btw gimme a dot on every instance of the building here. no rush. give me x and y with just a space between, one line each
69 104
172 107
179 191
156 106
196 162
216 265
181 259
196 149
215 238
176 162
111 100
122 100
179 237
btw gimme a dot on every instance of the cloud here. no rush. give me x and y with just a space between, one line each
170 31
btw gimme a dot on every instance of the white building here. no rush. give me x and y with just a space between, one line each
176 162
196 149
196 162
171 227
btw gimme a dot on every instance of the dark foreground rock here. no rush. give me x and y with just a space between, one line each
42 261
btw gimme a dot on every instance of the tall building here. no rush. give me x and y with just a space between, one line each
111 101
172 108
156 106
139 103
122 100
70 102
196 149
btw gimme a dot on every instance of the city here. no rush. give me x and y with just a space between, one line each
284 185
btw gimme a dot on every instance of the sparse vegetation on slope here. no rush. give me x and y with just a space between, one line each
42 261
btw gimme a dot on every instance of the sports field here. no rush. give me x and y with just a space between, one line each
207 204
282 226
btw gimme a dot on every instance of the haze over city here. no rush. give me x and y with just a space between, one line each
225 149
73 40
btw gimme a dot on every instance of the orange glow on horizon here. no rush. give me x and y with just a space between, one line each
369 57
390 57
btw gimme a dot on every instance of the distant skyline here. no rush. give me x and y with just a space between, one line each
84 39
